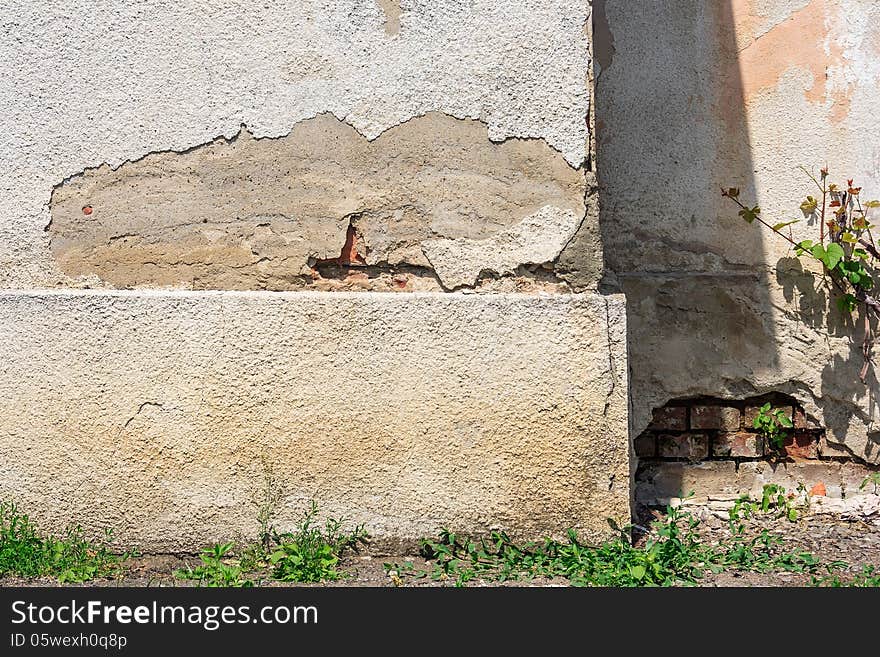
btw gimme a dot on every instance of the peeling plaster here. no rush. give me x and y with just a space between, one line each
392 11
89 83
539 238
251 213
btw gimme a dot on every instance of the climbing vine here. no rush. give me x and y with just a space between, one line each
845 246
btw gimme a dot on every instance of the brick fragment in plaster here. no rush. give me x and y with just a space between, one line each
253 213
538 238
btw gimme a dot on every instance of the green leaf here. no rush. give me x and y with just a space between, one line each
783 224
750 214
872 204
849 238
818 252
834 254
847 303
637 572
809 206
860 253
792 515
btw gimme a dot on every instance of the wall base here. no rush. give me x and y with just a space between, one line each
161 414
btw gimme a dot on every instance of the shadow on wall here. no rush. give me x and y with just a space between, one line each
671 131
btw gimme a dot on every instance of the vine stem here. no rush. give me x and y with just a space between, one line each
871 305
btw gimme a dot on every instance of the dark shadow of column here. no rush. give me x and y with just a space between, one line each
671 131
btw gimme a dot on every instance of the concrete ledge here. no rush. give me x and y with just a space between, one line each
159 414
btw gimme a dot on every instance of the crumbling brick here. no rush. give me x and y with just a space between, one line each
801 445
715 417
691 446
670 418
801 421
740 444
645 446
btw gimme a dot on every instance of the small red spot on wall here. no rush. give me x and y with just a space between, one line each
349 254
87 210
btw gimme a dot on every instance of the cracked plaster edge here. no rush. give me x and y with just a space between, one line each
230 136
452 279
244 132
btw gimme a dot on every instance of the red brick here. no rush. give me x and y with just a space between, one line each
801 445
715 417
691 446
751 413
670 418
802 422
738 445
645 446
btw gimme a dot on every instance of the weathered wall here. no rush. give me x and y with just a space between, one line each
157 414
693 96
212 169
129 110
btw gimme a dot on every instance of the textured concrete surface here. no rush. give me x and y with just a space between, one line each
715 306
156 413
87 84
255 213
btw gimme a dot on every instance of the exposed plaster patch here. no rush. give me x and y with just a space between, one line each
800 37
540 237
392 15
251 213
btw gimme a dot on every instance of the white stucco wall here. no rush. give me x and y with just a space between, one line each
155 411
88 82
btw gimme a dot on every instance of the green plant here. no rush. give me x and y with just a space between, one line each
673 554
847 252
256 555
310 553
24 552
216 569
772 423
868 578
773 498
873 478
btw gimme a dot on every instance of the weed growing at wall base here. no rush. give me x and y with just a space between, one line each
24 552
672 555
215 571
308 554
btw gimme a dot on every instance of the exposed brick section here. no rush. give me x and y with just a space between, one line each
698 452
645 446
738 445
669 418
715 417
801 421
691 446
801 445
